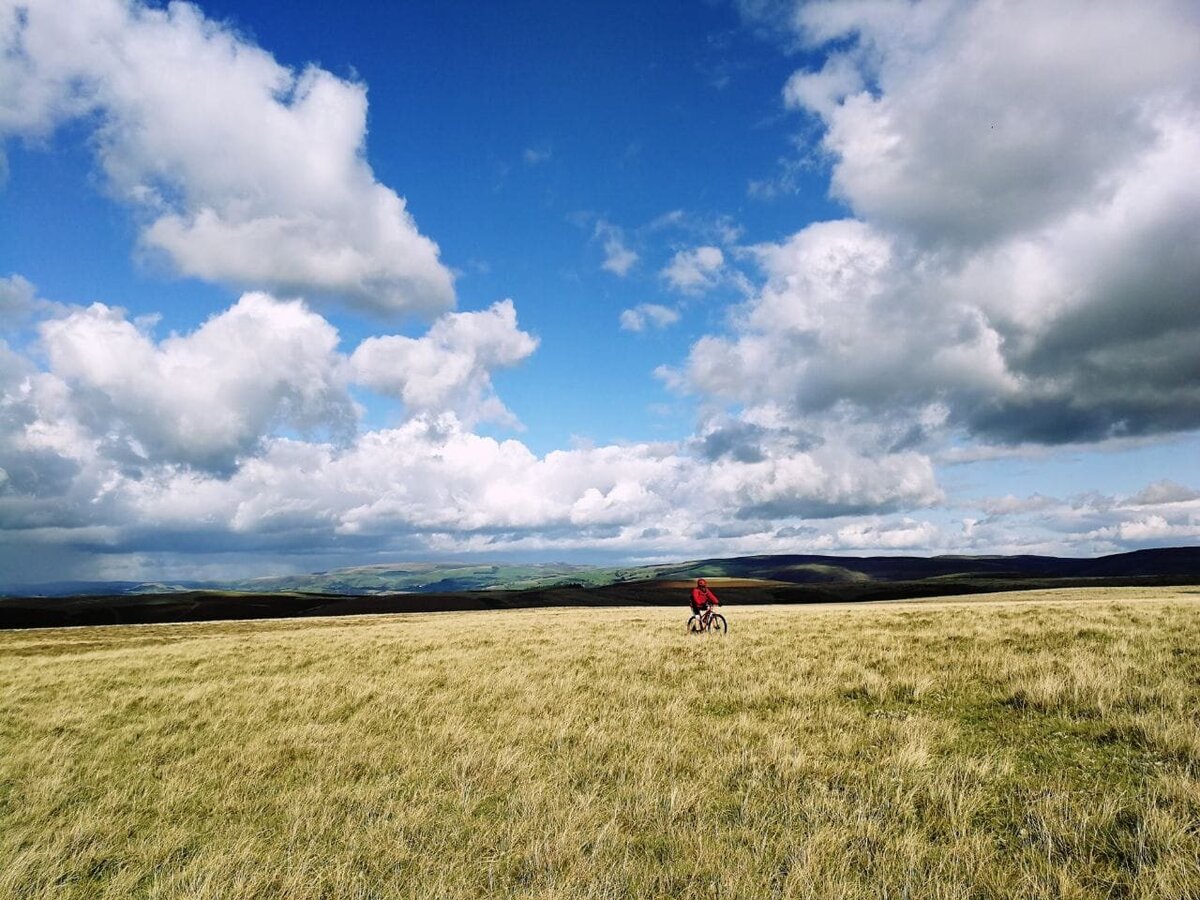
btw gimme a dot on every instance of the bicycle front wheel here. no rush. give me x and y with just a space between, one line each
717 624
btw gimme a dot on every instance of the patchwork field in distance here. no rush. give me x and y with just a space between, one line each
1040 744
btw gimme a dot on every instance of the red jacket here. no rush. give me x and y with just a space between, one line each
700 596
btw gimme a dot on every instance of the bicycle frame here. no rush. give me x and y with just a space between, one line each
704 620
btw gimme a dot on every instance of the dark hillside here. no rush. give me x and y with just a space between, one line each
809 569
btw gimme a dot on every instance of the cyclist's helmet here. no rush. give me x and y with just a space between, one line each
700 582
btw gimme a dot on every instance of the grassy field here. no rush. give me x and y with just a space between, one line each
1022 745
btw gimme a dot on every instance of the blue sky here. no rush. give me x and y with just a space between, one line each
593 281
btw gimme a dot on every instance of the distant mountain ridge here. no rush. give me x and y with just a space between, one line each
430 587
792 569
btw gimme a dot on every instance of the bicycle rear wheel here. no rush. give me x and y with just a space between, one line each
693 625
717 624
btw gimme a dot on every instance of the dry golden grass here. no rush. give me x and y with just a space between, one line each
1020 746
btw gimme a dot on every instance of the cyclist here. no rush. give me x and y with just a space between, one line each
702 598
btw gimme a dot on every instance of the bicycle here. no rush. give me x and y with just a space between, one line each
707 622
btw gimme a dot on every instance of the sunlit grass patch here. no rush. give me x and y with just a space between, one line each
949 749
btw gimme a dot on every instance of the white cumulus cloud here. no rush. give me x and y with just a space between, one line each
695 271
618 257
244 171
648 315
241 435
992 118
203 399
1162 513
1021 263
433 477
450 367
17 298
